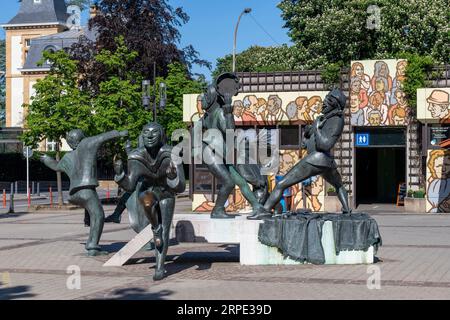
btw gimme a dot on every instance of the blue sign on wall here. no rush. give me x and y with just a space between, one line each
362 139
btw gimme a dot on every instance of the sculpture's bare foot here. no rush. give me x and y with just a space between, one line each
221 214
159 275
94 253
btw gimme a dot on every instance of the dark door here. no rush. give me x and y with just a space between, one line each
379 171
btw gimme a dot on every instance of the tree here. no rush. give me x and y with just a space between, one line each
259 59
339 31
178 82
118 104
149 27
57 107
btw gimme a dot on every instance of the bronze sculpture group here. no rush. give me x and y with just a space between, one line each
152 179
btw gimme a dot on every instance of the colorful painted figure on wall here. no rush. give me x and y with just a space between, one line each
438 181
378 94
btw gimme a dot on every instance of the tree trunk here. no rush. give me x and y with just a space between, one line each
59 180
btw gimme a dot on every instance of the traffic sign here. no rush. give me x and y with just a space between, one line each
27 152
362 139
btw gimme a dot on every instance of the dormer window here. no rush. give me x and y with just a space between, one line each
50 49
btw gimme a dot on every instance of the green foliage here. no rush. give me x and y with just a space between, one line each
410 193
333 31
331 190
419 194
418 71
331 74
178 83
259 59
118 104
58 105
336 32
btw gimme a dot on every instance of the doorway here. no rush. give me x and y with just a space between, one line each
379 171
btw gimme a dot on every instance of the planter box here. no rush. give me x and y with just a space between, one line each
332 204
416 205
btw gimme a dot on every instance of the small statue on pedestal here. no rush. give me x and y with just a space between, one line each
154 180
320 138
80 165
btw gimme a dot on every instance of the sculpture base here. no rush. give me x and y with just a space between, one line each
200 228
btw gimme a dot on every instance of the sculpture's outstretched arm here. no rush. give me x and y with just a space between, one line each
96 141
50 162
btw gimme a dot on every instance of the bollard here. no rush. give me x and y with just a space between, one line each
51 197
29 198
38 189
11 201
4 199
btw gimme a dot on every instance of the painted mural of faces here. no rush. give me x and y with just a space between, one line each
356 84
274 105
291 110
401 69
315 104
354 103
261 106
381 69
251 102
401 97
438 104
399 116
238 108
375 118
376 100
440 165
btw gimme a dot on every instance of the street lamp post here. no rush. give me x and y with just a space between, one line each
246 11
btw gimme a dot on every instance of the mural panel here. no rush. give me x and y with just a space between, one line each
314 191
376 93
265 108
438 181
433 105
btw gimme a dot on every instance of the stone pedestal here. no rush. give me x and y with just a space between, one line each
201 228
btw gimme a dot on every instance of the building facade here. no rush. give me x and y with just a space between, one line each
40 25
385 147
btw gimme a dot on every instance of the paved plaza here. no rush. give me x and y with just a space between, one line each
40 251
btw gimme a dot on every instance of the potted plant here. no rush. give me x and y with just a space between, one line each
415 202
332 203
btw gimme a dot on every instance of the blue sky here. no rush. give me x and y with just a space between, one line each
211 26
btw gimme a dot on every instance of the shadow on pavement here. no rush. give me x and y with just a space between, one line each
11 293
139 294
202 260
11 215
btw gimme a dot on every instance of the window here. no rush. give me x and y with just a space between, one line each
37 1
27 42
51 146
289 137
51 49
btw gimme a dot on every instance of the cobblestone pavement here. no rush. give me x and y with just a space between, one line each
39 250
